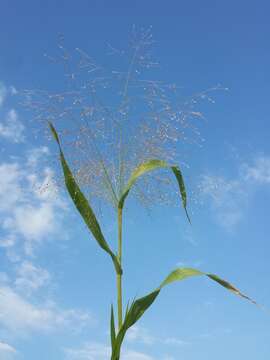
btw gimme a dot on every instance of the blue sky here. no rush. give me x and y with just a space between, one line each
56 285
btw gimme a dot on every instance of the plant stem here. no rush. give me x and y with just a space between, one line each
119 276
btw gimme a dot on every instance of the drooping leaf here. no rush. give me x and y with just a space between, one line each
151 165
183 273
83 205
113 335
230 287
139 306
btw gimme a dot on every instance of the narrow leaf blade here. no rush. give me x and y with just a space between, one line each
83 205
182 188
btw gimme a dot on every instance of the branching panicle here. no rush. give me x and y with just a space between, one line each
111 121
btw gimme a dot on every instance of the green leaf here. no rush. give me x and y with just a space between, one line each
229 287
138 307
113 335
83 205
151 165
136 310
183 273
180 274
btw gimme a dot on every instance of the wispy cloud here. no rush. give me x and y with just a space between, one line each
135 355
140 334
3 93
230 196
11 128
257 171
135 335
175 341
89 351
23 313
20 317
10 188
189 263
7 352
96 351
30 278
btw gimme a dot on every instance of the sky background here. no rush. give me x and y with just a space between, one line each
56 286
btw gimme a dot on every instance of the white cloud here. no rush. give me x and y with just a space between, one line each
195 264
140 334
96 351
31 213
30 277
21 317
7 352
13 90
4 347
3 93
4 278
228 198
135 355
258 171
89 351
11 128
45 188
33 222
31 206
7 241
28 218
36 154
10 188
136 334
175 341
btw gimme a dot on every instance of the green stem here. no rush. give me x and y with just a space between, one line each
119 276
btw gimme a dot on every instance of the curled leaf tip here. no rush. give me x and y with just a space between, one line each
150 166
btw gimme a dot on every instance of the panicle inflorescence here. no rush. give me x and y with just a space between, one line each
112 120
